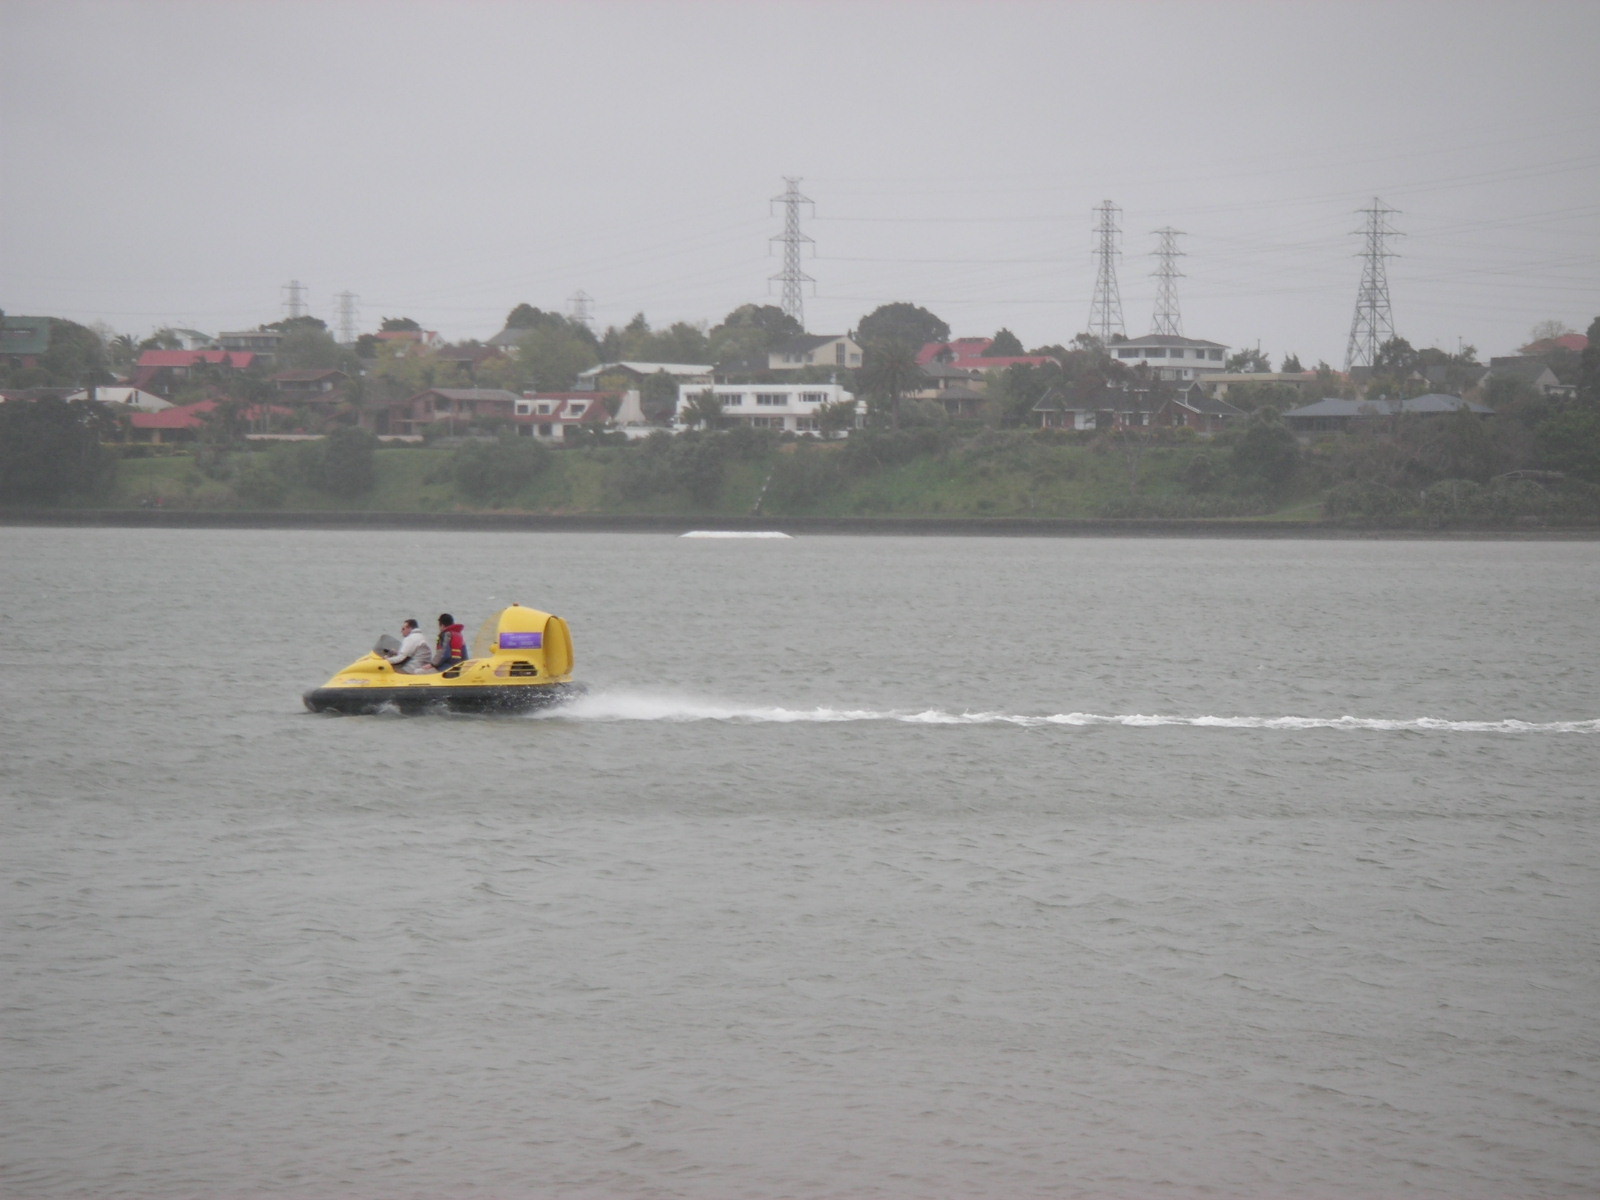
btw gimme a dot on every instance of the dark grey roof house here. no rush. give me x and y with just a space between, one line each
1334 414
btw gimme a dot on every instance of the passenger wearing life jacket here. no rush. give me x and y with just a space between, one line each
451 648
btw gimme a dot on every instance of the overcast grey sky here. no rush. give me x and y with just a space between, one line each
178 163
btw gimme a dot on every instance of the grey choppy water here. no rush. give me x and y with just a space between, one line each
872 867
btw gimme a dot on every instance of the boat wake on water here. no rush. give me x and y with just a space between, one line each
644 706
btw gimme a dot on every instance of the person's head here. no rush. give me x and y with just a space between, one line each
446 620
407 625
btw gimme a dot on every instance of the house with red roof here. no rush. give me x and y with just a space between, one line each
183 422
165 371
1575 342
956 373
967 355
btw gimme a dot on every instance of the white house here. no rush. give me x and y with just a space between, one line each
790 407
124 397
193 339
1171 357
557 416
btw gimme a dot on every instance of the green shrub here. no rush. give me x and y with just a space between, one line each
803 480
688 464
1267 456
1453 500
258 485
346 463
872 449
214 461
51 449
1367 503
491 472
749 443
1202 473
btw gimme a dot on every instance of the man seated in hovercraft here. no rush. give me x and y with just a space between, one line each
415 656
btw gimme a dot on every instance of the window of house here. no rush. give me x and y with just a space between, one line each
838 353
855 358
814 397
577 406
772 399
544 431
1155 352
733 400
1216 355
806 424
1127 354
544 410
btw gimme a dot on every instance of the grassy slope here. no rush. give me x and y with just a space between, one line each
1015 480
1037 480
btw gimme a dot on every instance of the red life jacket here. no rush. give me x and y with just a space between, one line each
450 643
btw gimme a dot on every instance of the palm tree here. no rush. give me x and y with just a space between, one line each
888 371
123 351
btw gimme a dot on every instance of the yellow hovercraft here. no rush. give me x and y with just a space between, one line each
521 659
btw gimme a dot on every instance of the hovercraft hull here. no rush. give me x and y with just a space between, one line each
459 699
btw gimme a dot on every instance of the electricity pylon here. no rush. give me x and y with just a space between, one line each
347 317
1105 311
295 299
792 277
1167 318
1373 324
580 301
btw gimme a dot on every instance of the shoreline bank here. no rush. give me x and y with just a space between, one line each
675 524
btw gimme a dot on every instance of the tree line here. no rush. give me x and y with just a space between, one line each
1385 469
